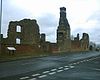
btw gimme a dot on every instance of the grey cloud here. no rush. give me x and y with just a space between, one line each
48 24
95 16
47 20
11 13
95 35
50 33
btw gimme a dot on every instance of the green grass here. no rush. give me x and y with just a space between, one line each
9 57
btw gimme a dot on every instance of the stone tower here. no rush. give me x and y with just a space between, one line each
63 32
85 42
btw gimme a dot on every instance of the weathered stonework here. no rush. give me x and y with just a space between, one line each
80 44
29 33
64 41
85 42
63 32
28 36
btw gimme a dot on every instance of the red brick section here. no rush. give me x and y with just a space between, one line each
21 49
26 49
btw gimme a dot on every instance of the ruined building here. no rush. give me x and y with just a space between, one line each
25 36
80 44
23 32
85 42
64 41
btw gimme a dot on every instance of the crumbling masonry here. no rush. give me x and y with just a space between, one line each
28 33
25 36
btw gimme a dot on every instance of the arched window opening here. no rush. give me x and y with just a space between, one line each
18 28
17 41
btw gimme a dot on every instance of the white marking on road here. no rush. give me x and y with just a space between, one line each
78 62
84 60
66 68
24 77
27 63
89 59
46 72
97 69
60 67
42 76
35 75
52 73
71 66
59 70
81 61
74 63
32 79
53 69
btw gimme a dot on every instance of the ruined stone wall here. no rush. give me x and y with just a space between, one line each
75 45
28 34
80 45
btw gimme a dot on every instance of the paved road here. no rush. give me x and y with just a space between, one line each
77 66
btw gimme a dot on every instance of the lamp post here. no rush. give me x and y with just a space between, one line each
0 23
0 18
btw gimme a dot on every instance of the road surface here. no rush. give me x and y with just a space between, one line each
72 66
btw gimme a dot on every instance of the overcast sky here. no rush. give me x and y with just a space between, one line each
83 16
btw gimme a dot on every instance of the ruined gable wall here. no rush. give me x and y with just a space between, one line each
29 32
